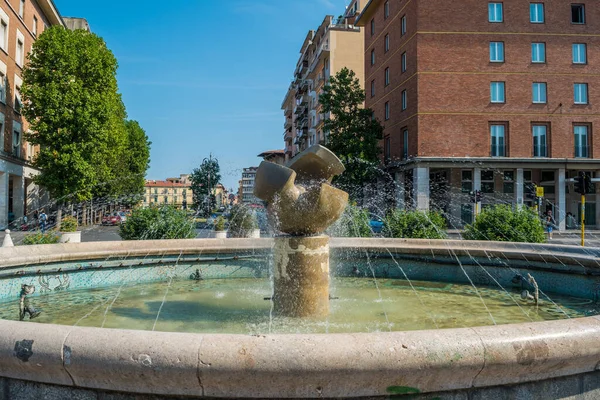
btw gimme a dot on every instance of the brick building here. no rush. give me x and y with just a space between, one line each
21 21
490 96
172 191
337 43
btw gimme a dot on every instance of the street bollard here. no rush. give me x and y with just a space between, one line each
7 242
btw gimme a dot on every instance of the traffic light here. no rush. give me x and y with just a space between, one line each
589 185
530 191
581 183
478 196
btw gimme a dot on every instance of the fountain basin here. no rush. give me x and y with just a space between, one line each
539 356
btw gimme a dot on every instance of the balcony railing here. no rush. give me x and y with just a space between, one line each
287 124
540 151
498 150
582 151
324 47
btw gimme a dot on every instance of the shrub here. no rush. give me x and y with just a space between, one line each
68 224
502 223
415 225
354 222
41 238
220 224
165 222
242 221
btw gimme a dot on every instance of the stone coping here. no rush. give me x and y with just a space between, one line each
297 366
42 254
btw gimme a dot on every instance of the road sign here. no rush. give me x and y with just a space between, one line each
539 191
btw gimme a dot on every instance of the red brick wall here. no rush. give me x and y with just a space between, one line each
451 55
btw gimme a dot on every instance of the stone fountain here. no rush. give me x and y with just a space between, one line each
302 204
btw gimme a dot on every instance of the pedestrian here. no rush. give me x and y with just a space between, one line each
571 222
42 221
550 223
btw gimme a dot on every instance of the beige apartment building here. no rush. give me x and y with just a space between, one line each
172 191
335 44
21 21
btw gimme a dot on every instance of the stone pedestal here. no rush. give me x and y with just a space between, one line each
301 276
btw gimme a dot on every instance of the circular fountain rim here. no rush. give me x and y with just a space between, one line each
297 366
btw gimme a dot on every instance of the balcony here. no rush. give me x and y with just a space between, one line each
288 110
324 48
346 24
287 124
287 135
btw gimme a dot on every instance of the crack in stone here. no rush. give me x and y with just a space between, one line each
484 358
62 357
198 373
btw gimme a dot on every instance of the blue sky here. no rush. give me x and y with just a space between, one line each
205 76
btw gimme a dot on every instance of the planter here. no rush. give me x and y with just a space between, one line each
220 234
70 237
254 233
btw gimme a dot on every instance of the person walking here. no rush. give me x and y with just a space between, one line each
550 224
42 221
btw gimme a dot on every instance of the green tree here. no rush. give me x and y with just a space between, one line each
354 222
203 182
502 223
352 132
135 160
76 114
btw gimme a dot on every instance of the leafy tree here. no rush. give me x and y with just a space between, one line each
76 114
414 225
165 222
242 221
352 132
502 223
135 160
203 179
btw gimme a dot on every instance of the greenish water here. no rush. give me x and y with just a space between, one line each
238 306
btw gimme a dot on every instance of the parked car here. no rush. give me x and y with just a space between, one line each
123 216
112 219
376 223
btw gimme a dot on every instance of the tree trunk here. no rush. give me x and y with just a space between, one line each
58 217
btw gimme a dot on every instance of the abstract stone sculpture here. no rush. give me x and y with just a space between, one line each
302 203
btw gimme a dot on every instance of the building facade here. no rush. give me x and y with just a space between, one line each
21 21
246 189
484 95
172 191
337 43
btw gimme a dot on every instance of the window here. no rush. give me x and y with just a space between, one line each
386 46
536 13
487 181
20 54
467 181
403 62
577 14
1 132
496 51
21 8
18 102
372 26
34 28
581 141
404 100
403 25
387 110
405 144
579 53
539 92
373 57
387 151
16 142
495 12
387 76
538 52
508 180
4 30
386 10
373 88
580 93
498 141
497 92
3 84
540 140
166 199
